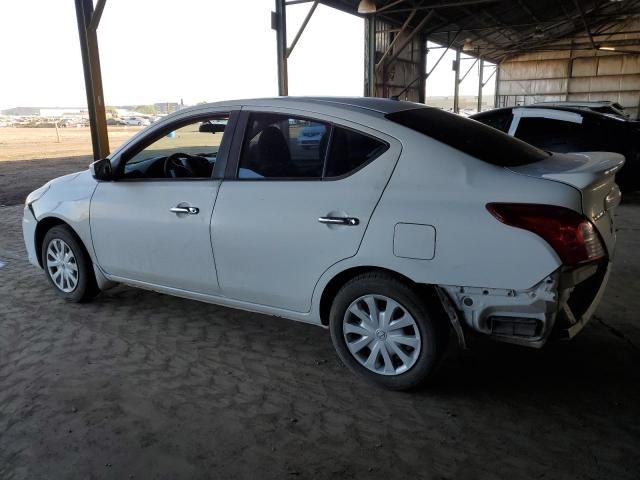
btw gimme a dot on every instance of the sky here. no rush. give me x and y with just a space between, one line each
195 50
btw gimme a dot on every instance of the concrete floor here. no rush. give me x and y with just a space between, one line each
142 385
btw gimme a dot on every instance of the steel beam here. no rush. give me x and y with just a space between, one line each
442 5
456 91
370 43
490 76
480 84
422 83
410 37
395 39
97 15
469 70
496 98
87 25
423 76
279 24
302 27
446 49
586 25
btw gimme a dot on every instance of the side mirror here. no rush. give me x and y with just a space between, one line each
101 170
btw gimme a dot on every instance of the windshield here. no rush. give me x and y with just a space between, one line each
469 136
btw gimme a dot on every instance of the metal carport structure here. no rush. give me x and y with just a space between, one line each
397 32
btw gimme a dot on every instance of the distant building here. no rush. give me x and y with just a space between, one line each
166 108
46 112
22 111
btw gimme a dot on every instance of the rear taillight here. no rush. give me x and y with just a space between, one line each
572 236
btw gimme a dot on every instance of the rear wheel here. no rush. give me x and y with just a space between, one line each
384 331
67 265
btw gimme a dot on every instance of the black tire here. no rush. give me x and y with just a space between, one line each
433 329
86 287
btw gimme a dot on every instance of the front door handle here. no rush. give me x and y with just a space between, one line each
186 210
352 221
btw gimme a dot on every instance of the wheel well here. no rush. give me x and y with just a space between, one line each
342 278
47 224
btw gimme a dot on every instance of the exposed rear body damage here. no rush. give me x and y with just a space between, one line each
562 303
567 298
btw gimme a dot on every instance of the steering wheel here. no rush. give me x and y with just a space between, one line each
178 165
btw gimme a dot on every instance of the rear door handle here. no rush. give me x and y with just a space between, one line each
351 221
186 210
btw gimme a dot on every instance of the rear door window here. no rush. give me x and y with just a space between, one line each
349 151
278 146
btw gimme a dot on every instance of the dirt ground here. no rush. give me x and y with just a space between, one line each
142 385
45 156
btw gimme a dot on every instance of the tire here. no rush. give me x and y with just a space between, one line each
420 324
80 283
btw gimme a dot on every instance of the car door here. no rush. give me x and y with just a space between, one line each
288 209
152 224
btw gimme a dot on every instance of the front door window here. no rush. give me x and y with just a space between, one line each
189 151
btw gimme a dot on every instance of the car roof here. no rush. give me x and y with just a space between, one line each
581 111
594 103
372 104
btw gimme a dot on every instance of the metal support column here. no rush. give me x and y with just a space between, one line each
370 56
279 24
88 21
456 91
496 101
480 84
422 86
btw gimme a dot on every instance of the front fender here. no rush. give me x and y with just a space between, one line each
68 199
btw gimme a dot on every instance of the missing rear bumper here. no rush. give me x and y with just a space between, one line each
561 304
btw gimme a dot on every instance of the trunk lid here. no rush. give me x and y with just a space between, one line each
593 174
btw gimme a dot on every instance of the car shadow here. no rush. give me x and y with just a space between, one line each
600 360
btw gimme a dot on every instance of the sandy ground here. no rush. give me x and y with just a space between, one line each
37 143
142 385
38 150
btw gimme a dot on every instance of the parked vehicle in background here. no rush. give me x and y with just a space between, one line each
605 107
138 121
565 130
69 122
310 136
115 122
406 224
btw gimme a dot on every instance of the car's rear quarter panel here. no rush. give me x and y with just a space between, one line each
434 184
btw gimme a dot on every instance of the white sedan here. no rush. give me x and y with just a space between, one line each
137 121
405 225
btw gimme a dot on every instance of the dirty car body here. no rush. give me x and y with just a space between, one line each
439 221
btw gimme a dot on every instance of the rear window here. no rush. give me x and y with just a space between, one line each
469 136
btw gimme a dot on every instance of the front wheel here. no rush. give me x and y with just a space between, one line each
384 331
68 267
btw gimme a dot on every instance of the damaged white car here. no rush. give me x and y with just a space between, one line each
400 225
